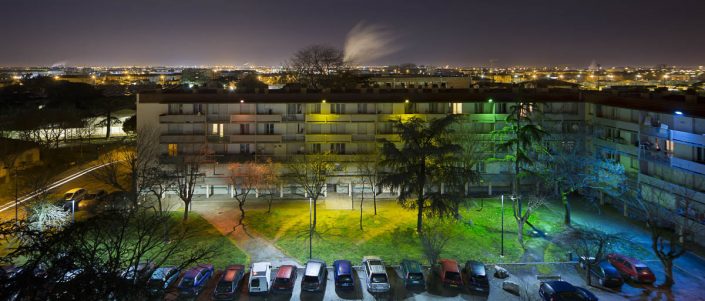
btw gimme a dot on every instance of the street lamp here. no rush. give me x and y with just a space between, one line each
501 253
73 210
310 228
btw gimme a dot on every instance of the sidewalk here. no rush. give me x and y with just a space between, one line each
224 217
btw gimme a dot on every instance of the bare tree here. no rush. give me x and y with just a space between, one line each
591 245
435 235
187 174
669 230
311 173
522 217
270 181
44 216
246 178
370 171
315 63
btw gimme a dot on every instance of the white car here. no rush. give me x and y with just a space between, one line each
260 277
375 275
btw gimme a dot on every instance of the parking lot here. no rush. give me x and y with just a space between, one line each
434 290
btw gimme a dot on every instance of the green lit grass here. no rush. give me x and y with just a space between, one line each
204 235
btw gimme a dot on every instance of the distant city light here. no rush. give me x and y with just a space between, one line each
678 113
490 100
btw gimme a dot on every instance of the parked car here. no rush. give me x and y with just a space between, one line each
450 273
343 274
285 278
412 274
141 271
376 279
72 198
315 276
116 200
631 268
260 277
564 291
476 276
195 279
161 279
605 273
97 195
229 282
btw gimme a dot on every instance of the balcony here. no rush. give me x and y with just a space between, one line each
182 139
655 132
688 165
620 124
327 118
617 145
388 137
688 138
247 118
488 118
658 157
182 118
264 138
668 186
218 139
328 138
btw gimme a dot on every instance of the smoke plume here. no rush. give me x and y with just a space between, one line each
368 42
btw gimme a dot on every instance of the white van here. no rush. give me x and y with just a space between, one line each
260 277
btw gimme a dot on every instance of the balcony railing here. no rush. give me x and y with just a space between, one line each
182 118
688 138
247 118
276 138
328 137
655 131
688 165
182 139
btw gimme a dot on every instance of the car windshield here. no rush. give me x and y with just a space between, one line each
187 282
224 287
68 195
281 280
453 276
379 278
415 276
344 278
311 279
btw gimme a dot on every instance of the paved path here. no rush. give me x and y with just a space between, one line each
224 217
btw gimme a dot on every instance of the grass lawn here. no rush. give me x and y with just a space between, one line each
391 234
228 253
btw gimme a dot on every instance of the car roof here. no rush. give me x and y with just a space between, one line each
607 266
231 272
343 267
313 267
477 268
285 271
262 266
561 286
412 266
74 190
162 272
449 265
192 272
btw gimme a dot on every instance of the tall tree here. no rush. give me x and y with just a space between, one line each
570 168
270 181
591 245
426 168
315 64
187 175
246 178
369 173
311 172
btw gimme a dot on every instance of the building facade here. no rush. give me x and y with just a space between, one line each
660 142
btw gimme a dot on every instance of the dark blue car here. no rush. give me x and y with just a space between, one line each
195 280
564 291
342 274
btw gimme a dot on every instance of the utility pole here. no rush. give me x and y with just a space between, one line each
501 253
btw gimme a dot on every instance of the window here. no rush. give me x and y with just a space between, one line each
294 108
699 152
501 108
316 148
479 108
172 150
337 108
213 109
217 129
269 128
480 167
337 148
176 108
315 108
361 108
244 129
244 148
198 109
457 108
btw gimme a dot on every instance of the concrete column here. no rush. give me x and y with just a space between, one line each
467 188
306 194
231 187
489 188
443 186
602 198
256 193
208 191
350 187
325 191
281 190
399 191
625 209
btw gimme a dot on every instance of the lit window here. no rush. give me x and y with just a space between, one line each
172 149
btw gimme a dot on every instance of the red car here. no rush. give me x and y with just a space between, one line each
631 268
285 279
450 273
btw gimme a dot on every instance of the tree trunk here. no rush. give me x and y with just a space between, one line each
520 233
269 208
313 225
668 269
587 271
419 221
566 205
374 199
362 200
108 120
186 208
240 205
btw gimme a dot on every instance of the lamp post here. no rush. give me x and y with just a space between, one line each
501 253
73 210
310 228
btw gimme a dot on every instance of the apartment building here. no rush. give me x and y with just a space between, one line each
659 141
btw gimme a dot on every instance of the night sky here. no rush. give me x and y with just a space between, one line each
469 33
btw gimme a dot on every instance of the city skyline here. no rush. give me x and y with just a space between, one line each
456 33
